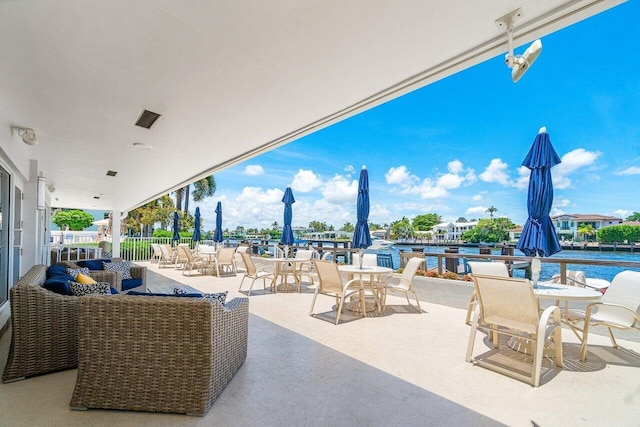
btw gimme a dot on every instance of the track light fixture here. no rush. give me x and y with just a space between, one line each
519 64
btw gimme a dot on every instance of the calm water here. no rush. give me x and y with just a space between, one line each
548 270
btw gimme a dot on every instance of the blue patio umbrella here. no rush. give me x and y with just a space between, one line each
361 235
196 226
217 234
287 232
176 219
538 236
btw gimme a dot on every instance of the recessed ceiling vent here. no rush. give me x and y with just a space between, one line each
147 119
111 173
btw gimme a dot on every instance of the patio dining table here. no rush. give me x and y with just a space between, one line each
283 267
373 272
557 292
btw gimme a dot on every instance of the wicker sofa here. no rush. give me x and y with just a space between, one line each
115 277
44 325
185 351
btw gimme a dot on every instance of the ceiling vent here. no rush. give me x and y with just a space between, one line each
111 173
147 119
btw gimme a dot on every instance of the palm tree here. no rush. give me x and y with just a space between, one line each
491 210
586 230
203 188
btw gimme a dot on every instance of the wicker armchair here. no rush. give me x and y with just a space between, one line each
178 357
44 329
114 277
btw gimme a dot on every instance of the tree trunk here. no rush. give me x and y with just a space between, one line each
186 198
179 193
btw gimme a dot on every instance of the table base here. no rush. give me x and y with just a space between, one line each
523 345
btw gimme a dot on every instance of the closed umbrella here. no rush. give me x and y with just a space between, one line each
217 234
538 236
196 226
287 231
361 235
176 219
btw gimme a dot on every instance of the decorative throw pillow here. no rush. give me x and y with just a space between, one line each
220 297
98 288
124 267
73 272
84 279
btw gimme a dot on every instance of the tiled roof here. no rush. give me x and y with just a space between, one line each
589 217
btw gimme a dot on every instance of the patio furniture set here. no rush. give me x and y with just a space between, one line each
504 305
204 259
143 353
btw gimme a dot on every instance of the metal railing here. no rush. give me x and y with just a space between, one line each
518 261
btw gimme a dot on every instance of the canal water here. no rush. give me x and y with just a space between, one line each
548 270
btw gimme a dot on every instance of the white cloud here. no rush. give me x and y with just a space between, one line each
349 170
400 176
571 162
455 166
522 182
633 170
340 190
253 170
496 172
305 181
256 195
556 211
477 197
622 213
476 210
450 181
430 188
560 202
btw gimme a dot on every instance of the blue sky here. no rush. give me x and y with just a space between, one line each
455 147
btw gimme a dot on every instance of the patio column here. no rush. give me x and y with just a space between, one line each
115 234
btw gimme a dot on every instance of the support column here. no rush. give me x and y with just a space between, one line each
115 234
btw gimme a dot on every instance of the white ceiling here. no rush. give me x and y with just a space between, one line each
230 78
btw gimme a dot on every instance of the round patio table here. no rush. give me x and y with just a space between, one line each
373 272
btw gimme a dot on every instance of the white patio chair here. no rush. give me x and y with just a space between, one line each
330 283
254 273
157 253
168 256
237 258
225 261
403 284
508 306
190 261
579 278
487 268
304 266
618 309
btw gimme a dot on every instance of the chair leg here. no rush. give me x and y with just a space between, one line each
613 340
472 303
557 338
583 347
339 309
313 302
537 361
417 301
243 277
472 335
251 287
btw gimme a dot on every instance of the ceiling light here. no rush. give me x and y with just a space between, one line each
142 146
28 135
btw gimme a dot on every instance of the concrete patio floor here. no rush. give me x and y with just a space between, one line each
402 368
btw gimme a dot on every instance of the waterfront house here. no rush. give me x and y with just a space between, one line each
567 224
448 231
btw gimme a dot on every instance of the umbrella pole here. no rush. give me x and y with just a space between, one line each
536 267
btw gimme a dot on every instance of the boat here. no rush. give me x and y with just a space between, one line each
378 243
